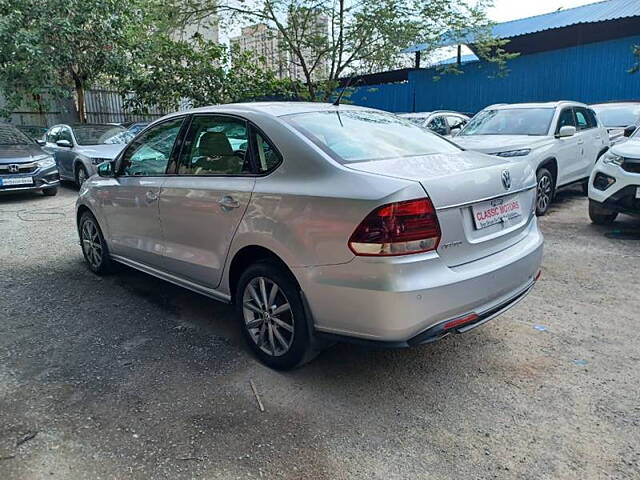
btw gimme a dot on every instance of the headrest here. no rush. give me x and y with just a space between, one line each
214 144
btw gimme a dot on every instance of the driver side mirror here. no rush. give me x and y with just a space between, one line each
629 130
105 169
41 142
64 143
566 131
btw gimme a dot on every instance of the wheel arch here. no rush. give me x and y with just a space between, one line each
550 164
247 256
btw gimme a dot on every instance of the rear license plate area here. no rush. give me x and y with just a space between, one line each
497 211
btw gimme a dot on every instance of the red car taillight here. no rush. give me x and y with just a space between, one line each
398 228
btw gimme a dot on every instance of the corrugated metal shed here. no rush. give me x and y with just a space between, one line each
591 13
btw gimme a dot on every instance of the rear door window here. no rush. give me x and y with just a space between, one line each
581 119
216 145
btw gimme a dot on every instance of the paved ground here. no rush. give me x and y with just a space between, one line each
131 377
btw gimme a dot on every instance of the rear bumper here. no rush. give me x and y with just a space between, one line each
45 178
403 301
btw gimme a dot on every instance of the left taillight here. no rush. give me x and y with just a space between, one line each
399 228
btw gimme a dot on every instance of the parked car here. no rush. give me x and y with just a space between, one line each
319 222
24 166
560 140
621 119
79 149
33 131
614 185
443 122
137 127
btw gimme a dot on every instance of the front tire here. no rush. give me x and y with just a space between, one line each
272 316
94 246
50 192
545 191
81 175
600 215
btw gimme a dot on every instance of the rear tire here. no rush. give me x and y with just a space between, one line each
94 246
273 322
600 215
50 192
545 190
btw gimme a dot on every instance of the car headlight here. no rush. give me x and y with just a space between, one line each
514 153
46 162
610 157
98 160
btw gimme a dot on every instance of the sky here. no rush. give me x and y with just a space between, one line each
504 10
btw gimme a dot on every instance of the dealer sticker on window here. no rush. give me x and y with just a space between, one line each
498 210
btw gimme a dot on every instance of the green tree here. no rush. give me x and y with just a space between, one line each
50 49
327 39
165 71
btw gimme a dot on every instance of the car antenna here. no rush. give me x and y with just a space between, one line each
344 89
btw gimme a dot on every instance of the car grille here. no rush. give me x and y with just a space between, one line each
631 165
7 169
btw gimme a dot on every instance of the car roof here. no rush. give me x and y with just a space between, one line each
276 109
615 104
560 103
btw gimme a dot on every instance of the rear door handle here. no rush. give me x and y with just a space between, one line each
151 196
228 202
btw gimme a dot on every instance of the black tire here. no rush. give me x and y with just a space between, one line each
91 235
50 192
261 338
585 188
81 175
545 190
600 215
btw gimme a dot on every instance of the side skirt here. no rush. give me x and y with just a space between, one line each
181 282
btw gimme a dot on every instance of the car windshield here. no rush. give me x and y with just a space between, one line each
510 121
12 136
358 135
618 115
98 134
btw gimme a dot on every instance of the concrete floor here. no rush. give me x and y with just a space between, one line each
130 377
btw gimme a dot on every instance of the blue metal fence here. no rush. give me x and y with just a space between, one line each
595 72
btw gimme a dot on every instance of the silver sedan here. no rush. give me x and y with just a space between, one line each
320 223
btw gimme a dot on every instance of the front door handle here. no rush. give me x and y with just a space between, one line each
228 202
151 196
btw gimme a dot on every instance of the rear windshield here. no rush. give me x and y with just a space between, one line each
359 135
619 115
98 134
510 121
12 136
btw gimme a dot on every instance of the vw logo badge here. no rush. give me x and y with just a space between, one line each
506 179
13 168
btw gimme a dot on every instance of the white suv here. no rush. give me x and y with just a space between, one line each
614 186
561 140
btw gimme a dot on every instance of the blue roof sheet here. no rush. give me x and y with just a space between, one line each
591 13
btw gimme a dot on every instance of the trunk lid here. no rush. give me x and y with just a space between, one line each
468 193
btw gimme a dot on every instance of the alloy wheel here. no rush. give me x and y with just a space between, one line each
82 176
91 244
268 316
544 193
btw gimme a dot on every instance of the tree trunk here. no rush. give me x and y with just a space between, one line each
82 115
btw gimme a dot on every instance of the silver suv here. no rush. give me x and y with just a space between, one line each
319 222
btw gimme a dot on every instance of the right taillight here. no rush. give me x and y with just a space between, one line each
399 228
